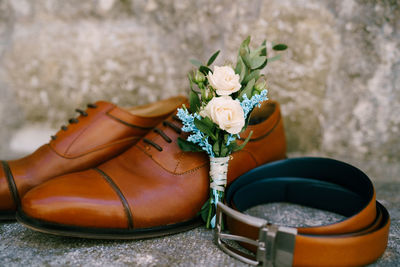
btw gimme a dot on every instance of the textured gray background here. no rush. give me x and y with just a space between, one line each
339 86
339 82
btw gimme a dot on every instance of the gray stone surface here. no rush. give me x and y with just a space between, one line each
338 83
23 247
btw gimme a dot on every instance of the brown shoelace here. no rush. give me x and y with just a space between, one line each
75 120
169 124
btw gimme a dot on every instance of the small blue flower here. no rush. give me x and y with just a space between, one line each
197 136
231 138
248 104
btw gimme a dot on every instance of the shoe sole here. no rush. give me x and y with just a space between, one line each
105 233
7 216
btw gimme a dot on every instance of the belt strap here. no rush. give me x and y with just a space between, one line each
322 183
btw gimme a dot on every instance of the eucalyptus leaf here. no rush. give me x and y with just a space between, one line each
264 50
190 81
242 70
263 65
256 52
259 51
212 58
246 57
194 101
248 89
238 67
195 62
205 128
188 146
279 47
241 146
253 75
205 70
272 59
257 62
246 42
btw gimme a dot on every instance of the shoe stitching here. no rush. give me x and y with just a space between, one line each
96 149
178 161
75 120
85 129
173 173
121 196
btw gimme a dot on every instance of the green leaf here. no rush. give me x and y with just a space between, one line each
263 65
253 75
205 70
248 89
194 101
279 47
246 42
208 122
224 150
264 50
226 136
205 128
195 62
190 81
212 58
272 59
259 51
188 146
216 149
239 147
257 62
241 69
204 210
246 57
238 67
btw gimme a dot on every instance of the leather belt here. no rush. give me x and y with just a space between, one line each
321 183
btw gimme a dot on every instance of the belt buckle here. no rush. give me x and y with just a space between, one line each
275 244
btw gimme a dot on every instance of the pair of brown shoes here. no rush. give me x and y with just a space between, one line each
119 173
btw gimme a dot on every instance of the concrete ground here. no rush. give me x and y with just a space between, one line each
23 247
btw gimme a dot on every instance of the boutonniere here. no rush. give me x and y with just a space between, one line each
221 100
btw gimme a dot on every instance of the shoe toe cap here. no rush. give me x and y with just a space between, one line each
82 199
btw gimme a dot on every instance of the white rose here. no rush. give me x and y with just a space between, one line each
226 113
224 80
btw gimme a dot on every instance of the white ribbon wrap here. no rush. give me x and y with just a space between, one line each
218 173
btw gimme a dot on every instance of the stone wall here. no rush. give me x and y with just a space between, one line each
339 83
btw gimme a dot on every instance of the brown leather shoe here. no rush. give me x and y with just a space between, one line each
152 189
98 134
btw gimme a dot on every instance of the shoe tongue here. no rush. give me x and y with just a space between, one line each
171 158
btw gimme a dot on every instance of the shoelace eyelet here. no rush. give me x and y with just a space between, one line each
169 124
83 113
75 120
90 105
156 146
